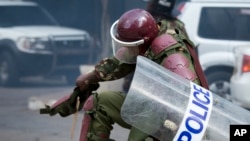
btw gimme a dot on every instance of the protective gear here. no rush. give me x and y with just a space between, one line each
159 118
89 108
160 7
135 29
179 64
173 50
175 23
101 111
181 35
161 43
175 62
67 105
64 107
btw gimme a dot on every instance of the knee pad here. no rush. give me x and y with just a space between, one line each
89 109
86 122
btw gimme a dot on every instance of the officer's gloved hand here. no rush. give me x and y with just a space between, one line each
64 106
63 110
67 105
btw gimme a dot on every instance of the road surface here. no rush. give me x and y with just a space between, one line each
19 123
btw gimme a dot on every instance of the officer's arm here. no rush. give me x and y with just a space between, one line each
106 70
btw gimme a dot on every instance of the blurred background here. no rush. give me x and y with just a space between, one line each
19 101
94 16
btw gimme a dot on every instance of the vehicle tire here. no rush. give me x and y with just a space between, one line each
9 75
71 76
219 83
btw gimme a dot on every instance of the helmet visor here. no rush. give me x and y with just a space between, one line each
125 52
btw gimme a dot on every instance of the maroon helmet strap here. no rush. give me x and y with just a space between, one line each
198 68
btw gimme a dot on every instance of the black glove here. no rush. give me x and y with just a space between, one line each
67 105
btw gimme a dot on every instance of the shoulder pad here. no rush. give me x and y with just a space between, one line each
162 42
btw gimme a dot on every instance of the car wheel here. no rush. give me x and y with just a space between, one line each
8 71
219 83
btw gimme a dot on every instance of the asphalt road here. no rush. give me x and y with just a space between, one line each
19 123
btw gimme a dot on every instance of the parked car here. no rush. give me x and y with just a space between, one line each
33 43
240 80
216 26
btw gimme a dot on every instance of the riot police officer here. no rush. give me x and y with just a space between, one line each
135 33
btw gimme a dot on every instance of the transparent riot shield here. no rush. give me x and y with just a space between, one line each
169 107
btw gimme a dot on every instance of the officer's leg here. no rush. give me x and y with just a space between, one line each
101 111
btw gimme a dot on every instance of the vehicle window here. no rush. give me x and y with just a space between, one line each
24 15
225 23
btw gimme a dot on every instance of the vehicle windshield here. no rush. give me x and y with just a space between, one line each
24 15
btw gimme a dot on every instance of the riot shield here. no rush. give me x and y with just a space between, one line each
169 107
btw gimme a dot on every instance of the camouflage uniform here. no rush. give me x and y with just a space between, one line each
102 110
108 104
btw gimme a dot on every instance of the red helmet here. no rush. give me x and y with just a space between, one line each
135 28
